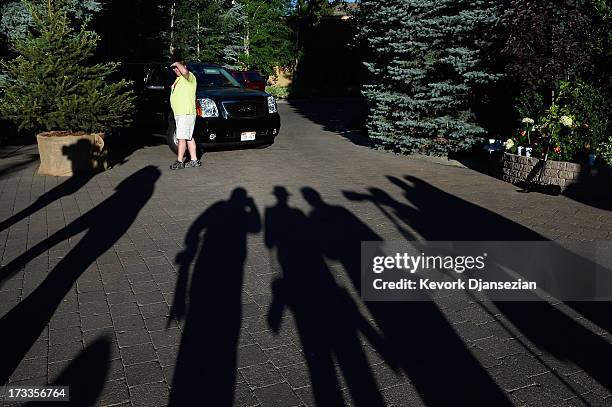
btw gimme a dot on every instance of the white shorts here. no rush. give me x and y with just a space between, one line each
185 124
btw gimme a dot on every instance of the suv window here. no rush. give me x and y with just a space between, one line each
158 76
254 77
239 77
212 77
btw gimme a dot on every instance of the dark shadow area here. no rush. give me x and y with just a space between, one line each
85 376
103 226
423 343
122 145
17 165
86 157
12 142
533 181
327 319
444 217
344 116
329 64
78 154
119 145
19 149
206 364
593 187
8 130
479 160
125 38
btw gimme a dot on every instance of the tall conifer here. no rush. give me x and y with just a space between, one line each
52 84
427 58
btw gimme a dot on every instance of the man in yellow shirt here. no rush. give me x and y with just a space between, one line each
183 102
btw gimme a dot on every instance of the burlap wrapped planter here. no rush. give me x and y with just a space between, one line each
65 153
519 170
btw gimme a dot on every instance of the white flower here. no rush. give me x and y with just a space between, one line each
566 121
528 120
509 144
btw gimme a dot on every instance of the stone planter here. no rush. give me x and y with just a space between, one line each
569 177
67 154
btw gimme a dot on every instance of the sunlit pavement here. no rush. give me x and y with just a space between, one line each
266 322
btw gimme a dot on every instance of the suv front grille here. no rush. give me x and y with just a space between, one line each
247 109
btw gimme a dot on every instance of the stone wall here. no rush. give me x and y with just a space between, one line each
569 177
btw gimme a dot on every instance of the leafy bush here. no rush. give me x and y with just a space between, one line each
576 123
591 108
560 126
551 40
530 103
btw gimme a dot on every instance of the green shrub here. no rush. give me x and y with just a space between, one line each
577 122
530 103
51 85
279 92
591 108
605 150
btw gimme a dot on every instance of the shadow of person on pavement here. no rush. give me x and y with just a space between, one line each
345 117
422 341
8 168
439 216
327 319
103 226
206 362
66 188
85 376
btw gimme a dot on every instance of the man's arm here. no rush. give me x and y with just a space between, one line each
67 232
183 260
182 69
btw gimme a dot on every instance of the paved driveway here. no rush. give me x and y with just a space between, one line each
254 255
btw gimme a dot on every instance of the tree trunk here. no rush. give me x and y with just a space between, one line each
198 34
172 9
247 41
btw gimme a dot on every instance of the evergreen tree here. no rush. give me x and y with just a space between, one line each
16 19
267 37
306 15
126 38
208 30
50 85
321 36
427 59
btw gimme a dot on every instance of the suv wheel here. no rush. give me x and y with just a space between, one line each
171 135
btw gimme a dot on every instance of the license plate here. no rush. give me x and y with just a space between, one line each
247 135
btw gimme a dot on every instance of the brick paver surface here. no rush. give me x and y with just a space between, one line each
94 270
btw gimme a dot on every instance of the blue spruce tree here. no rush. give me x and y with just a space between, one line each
427 59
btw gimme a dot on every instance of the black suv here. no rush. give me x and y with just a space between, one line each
228 114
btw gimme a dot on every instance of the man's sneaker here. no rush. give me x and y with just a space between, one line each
177 165
193 163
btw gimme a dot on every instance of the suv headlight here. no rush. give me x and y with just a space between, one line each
271 104
208 108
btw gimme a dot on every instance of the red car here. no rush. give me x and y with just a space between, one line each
250 79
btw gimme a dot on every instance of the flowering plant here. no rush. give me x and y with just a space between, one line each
559 127
567 121
575 124
529 127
